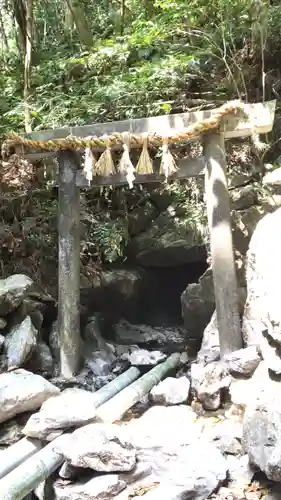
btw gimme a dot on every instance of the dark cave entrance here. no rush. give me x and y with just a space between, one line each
163 302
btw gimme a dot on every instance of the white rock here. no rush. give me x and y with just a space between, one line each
20 342
99 488
210 347
262 315
140 357
22 391
208 381
225 434
72 408
12 292
171 391
101 447
262 434
247 391
243 361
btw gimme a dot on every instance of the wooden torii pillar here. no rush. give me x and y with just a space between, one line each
71 179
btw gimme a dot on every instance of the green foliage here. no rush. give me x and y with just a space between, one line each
110 238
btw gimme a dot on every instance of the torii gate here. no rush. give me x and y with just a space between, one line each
232 120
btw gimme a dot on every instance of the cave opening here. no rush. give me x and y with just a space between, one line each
163 302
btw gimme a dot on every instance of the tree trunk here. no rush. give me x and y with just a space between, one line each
27 63
80 21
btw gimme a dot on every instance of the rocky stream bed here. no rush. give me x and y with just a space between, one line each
210 429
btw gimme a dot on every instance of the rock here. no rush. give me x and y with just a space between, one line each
3 323
140 470
41 359
171 391
243 361
225 434
72 408
169 438
12 292
100 363
262 315
22 391
179 427
243 197
118 294
208 382
210 347
2 341
139 357
97 488
262 434
249 390
54 341
240 469
169 242
166 339
198 304
11 431
20 343
101 447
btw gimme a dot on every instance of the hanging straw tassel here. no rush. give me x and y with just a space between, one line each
125 165
145 165
168 165
105 165
89 165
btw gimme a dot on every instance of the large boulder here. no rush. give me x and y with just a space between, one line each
262 434
262 314
12 292
170 241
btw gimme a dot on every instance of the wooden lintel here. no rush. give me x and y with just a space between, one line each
262 115
187 168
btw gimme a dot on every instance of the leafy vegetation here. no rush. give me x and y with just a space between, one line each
75 62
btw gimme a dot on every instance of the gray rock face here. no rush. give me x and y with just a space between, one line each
169 447
12 292
20 343
97 488
243 362
262 435
171 391
166 339
22 391
198 304
210 347
208 381
247 391
262 315
101 447
73 407
226 435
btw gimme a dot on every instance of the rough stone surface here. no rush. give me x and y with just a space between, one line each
244 391
12 292
97 488
166 339
262 315
208 382
3 323
198 304
73 407
41 360
140 357
167 243
243 362
225 434
101 447
171 391
262 434
210 347
20 343
22 391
